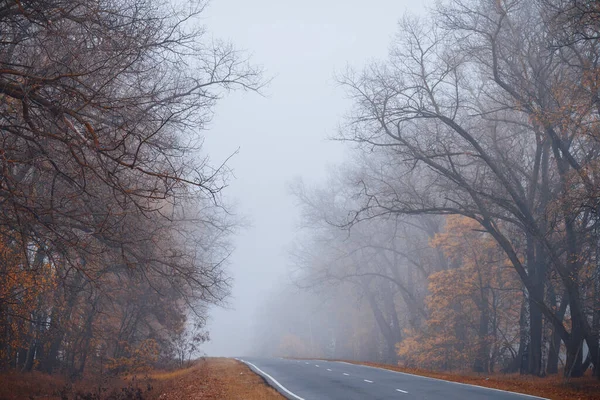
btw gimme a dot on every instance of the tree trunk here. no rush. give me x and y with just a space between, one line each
536 270
55 337
87 337
596 308
555 339
385 329
517 364
574 363
482 358
29 356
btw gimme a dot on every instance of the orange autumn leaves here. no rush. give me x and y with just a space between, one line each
21 288
473 307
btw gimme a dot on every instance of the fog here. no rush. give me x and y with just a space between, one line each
393 181
284 134
421 235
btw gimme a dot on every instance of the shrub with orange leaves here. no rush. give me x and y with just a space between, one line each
136 359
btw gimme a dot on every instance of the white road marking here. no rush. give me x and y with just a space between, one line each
346 374
401 391
306 363
368 381
328 369
452 382
274 380
317 365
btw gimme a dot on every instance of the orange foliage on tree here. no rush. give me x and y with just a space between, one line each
23 288
136 359
473 307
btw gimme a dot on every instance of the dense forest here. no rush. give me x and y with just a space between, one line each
113 230
463 232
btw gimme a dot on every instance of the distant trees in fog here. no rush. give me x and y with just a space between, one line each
467 219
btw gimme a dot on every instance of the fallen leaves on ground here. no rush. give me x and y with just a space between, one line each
214 378
210 378
553 387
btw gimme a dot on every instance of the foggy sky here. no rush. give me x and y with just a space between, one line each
283 135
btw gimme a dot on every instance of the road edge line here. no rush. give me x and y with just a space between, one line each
269 377
444 380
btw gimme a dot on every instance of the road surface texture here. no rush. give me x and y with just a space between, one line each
320 380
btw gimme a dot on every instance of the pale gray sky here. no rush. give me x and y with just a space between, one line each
284 135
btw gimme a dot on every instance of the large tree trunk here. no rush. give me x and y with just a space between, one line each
517 364
87 338
553 353
482 358
574 345
580 329
29 356
574 363
536 269
555 339
54 339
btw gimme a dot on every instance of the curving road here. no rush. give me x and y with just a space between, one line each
320 380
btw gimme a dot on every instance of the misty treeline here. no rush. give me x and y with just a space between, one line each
113 232
464 231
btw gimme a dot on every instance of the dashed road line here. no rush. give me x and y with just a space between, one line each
368 381
401 391
346 374
328 369
317 365
442 380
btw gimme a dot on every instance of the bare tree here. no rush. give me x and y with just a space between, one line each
464 109
102 105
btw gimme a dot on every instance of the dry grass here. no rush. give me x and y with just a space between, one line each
211 378
214 378
37 385
553 387
33 385
161 376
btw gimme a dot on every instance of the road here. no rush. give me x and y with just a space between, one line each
320 380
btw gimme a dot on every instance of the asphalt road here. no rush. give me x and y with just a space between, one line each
320 380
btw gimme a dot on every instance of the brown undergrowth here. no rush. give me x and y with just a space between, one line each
37 385
215 378
210 378
553 387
